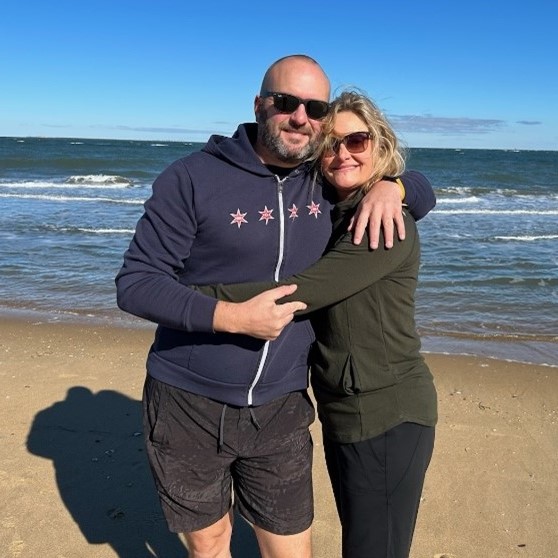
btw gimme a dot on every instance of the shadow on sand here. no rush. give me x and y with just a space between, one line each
95 443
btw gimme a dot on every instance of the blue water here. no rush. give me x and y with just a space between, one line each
489 274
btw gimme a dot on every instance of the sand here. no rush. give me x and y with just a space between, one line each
74 481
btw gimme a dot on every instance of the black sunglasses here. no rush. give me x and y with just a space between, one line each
287 104
357 142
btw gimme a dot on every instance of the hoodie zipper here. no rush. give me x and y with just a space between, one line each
265 351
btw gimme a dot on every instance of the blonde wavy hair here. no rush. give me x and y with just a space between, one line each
387 153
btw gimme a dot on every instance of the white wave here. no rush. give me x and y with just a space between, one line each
31 184
470 199
69 198
528 238
97 231
159 145
37 184
98 179
494 212
457 190
475 193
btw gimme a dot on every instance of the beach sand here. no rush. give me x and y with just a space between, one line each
74 481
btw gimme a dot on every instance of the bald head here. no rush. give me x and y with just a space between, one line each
307 75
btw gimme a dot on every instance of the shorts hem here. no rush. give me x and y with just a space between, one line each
275 529
174 528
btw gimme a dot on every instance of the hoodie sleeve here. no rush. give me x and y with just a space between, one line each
419 195
147 284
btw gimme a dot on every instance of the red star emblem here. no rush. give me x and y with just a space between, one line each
238 218
293 212
266 214
314 209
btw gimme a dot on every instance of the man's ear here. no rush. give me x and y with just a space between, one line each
260 110
257 105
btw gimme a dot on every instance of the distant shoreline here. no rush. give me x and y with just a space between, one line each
203 142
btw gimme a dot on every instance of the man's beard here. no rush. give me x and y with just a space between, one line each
272 141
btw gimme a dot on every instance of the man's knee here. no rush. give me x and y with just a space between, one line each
284 546
211 542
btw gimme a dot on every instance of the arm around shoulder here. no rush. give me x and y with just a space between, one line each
419 194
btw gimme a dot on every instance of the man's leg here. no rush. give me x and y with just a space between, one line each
285 546
211 542
273 475
192 476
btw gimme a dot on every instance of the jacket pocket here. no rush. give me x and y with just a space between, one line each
334 374
350 373
349 377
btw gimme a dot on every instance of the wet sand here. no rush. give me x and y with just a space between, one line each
74 481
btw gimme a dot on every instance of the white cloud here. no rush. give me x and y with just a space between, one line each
444 125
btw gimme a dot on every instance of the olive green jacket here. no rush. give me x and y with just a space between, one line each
366 370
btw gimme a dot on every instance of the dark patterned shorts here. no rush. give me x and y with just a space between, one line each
200 451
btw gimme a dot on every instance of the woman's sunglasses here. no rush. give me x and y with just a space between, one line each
287 104
357 142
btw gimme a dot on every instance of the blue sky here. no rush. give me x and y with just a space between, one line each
476 74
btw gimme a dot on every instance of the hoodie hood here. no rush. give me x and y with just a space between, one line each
238 150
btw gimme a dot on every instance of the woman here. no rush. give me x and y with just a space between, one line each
376 397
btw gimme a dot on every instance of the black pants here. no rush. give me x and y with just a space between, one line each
377 484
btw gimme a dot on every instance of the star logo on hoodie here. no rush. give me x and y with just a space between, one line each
266 214
238 218
314 209
293 212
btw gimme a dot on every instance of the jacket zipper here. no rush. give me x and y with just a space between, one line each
265 351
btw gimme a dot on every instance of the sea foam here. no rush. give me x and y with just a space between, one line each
99 179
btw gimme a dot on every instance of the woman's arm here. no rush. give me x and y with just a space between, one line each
344 270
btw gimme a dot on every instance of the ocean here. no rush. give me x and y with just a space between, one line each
489 276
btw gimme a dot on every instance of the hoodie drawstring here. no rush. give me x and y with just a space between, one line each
222 425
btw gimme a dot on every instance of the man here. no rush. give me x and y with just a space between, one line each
221 409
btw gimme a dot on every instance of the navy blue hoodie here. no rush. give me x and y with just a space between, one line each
220 216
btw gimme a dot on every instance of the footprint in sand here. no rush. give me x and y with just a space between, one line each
16 548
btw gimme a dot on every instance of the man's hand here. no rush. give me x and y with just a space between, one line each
258 317
380 208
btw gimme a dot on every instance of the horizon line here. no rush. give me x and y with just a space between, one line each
204 142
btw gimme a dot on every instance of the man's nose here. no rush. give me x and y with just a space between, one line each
299 116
